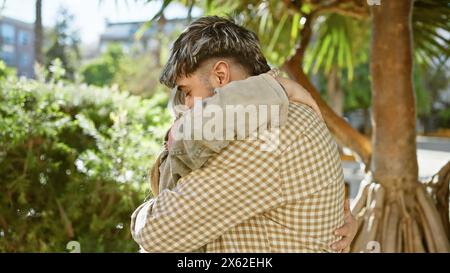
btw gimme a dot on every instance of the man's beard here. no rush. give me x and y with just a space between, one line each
207 82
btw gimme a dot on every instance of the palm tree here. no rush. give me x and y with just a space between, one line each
400 213
393 207
38 34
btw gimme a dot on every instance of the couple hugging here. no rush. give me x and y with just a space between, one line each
259 172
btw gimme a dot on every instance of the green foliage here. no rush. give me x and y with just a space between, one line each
341 42
431 31
276 26
135 72
357 91
357 94
6 71
101 71
431 82
139 74
73 164
444 118
423 96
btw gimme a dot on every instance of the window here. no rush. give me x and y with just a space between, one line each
24 38
8 34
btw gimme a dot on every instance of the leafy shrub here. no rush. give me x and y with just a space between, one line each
73 164
101 71
135 71
6 71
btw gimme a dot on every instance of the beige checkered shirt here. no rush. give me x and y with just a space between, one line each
247 199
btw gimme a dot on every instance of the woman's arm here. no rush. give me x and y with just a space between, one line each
297 93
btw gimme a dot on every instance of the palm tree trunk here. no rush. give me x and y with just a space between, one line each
393 98
38 34
394 209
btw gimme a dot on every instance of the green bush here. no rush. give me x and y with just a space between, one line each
101 71
73 164
135 71
6 71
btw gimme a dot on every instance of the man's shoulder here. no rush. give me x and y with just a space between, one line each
302 117
302 120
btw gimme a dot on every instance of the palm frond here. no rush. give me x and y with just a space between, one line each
431 30
337 44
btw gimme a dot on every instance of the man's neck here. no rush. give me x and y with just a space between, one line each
238 74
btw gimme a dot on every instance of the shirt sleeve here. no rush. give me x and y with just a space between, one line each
208 202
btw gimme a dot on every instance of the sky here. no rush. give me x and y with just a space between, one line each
90 16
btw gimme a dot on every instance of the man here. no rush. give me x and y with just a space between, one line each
245 199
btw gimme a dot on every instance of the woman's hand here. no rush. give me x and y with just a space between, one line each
347 231
297 93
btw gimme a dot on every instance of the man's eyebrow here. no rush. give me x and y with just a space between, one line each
181 87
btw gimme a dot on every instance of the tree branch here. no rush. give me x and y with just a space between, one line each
345 134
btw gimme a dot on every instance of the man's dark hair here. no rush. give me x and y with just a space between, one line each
211 37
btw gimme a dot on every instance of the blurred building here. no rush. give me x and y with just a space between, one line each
17 45
123 33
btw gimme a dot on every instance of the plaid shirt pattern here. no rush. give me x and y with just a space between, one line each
247 199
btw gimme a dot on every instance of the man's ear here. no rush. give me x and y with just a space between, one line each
221 73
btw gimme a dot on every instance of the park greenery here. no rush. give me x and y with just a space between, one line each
136 72
73 163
